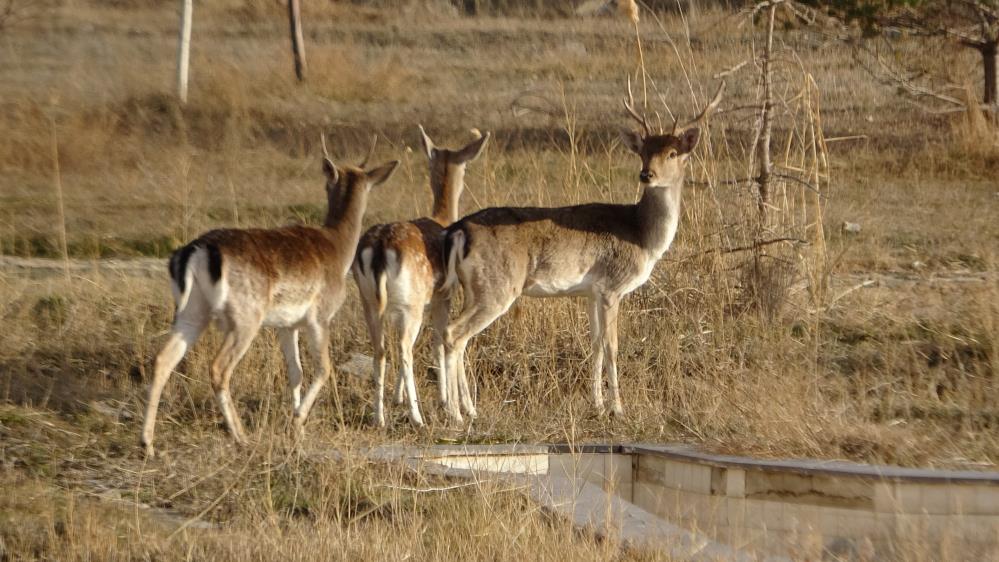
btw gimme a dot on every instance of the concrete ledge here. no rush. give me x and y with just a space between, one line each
707 505
808 466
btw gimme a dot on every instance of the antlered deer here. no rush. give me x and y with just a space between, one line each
399 271
290 278
601 251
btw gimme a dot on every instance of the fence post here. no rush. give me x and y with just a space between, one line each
184 51
297 40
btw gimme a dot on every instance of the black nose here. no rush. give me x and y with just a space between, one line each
645 176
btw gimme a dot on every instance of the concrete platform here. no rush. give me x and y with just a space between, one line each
701 506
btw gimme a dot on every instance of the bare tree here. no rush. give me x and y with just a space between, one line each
968 23
15 11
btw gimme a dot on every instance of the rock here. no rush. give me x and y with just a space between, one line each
851 227
358 365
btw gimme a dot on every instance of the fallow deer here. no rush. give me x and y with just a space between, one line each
602 251
291 278
399 270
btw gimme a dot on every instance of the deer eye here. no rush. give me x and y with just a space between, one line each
671 154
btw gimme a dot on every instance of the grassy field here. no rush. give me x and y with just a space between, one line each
880 346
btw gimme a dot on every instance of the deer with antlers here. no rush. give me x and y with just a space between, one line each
290 278
601 251
399 270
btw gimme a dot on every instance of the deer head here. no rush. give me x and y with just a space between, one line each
347 186
664 155
447 172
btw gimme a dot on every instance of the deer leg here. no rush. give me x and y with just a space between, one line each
400 383
237 343
184 333
610 354
292 358
319 344
377 334
408 329
597 315
475 317
440 305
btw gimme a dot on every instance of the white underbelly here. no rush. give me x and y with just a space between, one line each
287 315
576 285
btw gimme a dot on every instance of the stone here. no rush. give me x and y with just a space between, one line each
851 227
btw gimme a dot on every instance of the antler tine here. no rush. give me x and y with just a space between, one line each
629 106
371 151
322 139
710 108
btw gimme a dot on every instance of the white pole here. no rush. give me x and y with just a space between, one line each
184 53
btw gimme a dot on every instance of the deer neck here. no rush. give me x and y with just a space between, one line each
447 191
344 219
659 216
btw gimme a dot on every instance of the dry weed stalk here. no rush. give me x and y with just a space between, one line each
60 205
629 9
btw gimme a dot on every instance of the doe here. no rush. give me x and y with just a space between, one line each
290 278
399 270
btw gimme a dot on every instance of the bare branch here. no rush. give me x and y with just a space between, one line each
432 490
754 246
800 182
888 74
732 70
761 243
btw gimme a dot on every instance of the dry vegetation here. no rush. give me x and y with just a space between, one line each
767 353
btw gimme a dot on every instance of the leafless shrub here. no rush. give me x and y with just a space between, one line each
13 12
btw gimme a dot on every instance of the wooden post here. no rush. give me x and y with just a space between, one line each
297 40
184 51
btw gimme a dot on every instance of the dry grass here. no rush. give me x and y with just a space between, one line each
767 352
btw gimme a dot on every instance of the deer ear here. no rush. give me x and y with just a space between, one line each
428 145
380 174
632 140
329 168
472 150
688 140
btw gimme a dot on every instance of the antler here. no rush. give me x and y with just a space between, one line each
707 111
629 104
374 143
326 153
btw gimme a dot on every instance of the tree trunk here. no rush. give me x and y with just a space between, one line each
297 40
184 49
